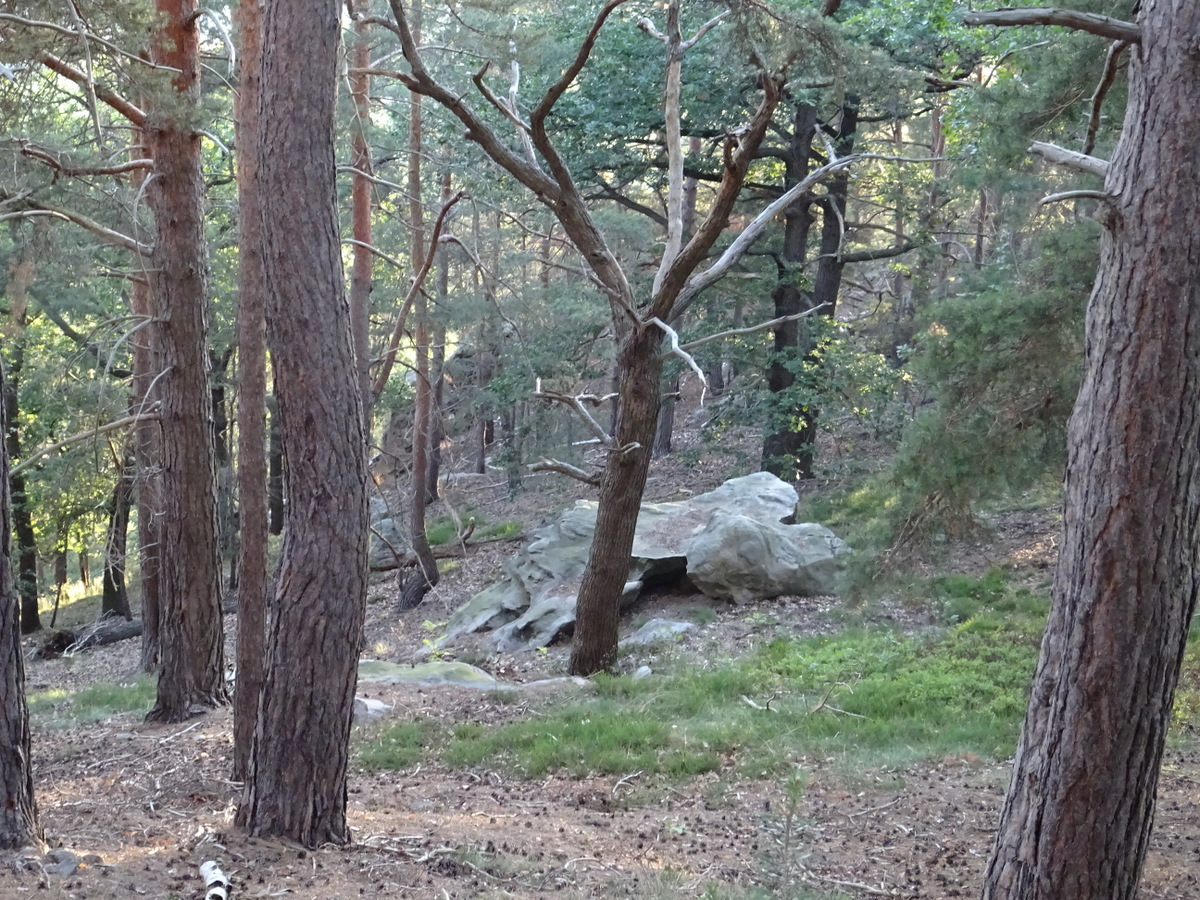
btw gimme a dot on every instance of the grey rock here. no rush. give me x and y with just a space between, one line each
62 863
386 537
657 630
367 709
427 674
642 672
535 599
740 558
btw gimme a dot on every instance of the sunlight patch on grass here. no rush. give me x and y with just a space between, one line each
60 708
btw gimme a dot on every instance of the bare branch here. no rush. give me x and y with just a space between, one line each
736 250
372 249
1112 61
576 402
132 165
677 350
1069 158
705 29
150 413
546 464
1104 26
585 50
389 357
751 329
115 238
1075 195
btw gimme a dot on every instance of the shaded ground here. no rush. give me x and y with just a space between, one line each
142 806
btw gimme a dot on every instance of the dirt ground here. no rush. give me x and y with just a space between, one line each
141 806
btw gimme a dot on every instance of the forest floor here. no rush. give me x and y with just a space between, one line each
141 806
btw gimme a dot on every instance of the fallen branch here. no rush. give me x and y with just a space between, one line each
545 464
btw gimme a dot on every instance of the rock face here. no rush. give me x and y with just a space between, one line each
732 542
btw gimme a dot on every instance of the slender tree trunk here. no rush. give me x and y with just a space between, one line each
115 598
621 485
1079 811
361 273
425 574
18 811
191 668
22 269
787 447
147 453
252 390
296 785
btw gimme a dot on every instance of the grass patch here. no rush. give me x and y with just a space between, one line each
399 746
59 708
870 698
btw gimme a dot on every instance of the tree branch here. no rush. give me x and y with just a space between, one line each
576 403
132 165
150 413
751 329
389 358
1112 61
545 464
1071 159
1104 26
114 238
120 104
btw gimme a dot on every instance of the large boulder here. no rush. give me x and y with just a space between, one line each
535 600
739 558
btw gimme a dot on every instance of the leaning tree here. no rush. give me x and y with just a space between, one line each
1079 811
641 319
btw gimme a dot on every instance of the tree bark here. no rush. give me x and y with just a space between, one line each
296 785
252 391
18 811
1079 811
147 453
114 595
361 272
191 673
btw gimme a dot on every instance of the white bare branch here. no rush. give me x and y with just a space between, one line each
677 349
545 464
1071 159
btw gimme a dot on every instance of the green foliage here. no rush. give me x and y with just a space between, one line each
1002 366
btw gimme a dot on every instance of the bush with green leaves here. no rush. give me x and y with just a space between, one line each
1002 365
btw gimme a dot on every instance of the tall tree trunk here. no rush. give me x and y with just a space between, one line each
18 811
147 453
787 446
296 785
191 667
1079 811
22 269
252 390
114 597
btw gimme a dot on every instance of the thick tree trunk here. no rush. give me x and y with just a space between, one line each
18 812
252 390
1079 811
621 486
275 467
114 597
296 785
191 672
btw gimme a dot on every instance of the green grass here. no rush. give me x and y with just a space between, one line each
59 708
868 698
443 529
